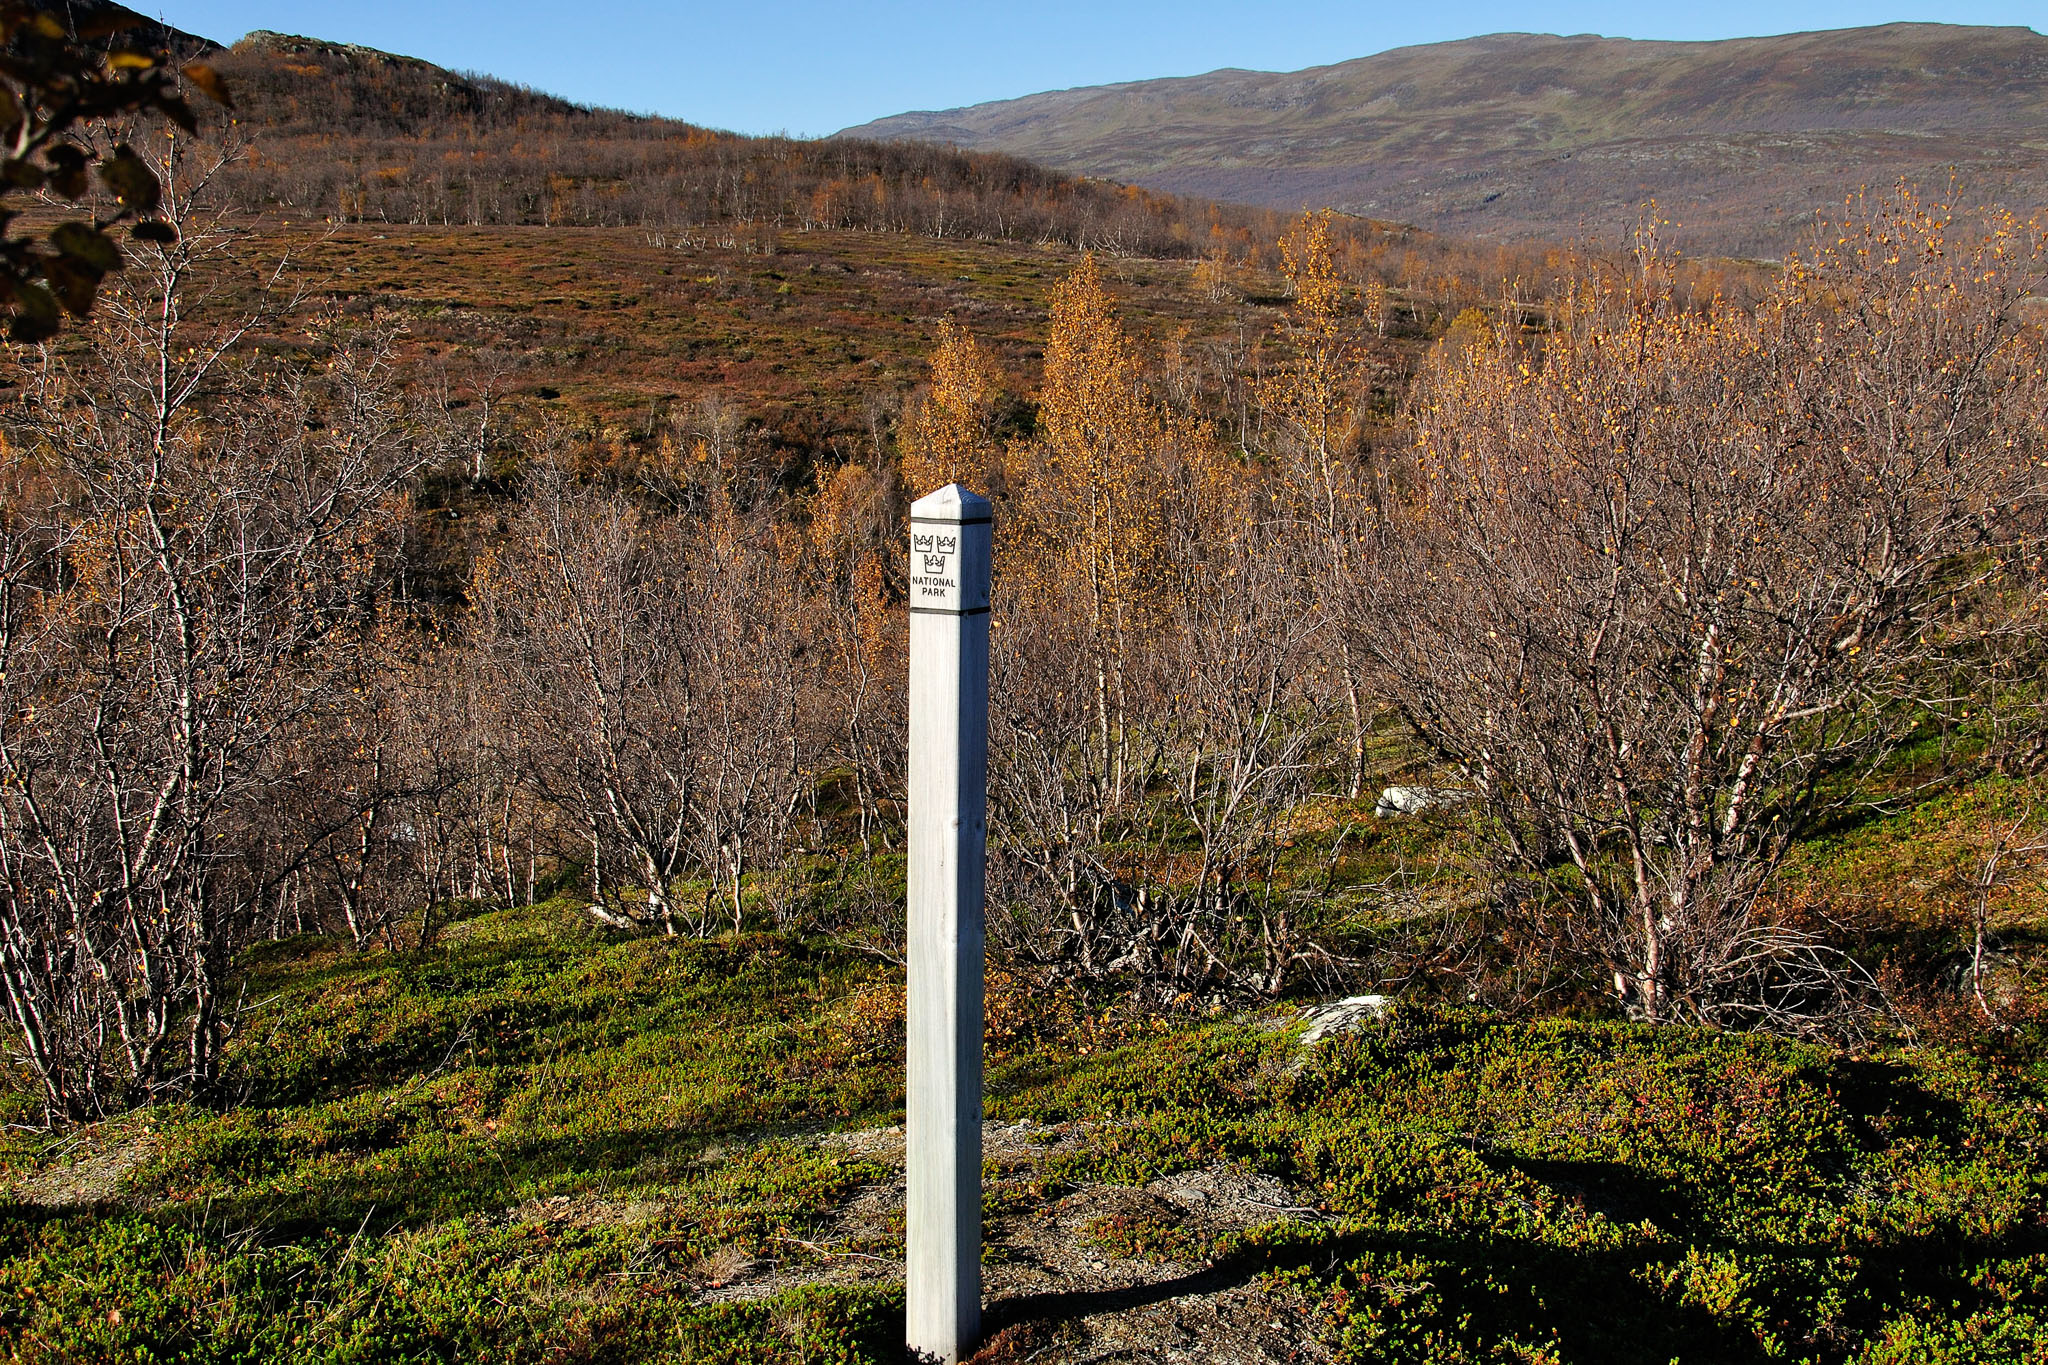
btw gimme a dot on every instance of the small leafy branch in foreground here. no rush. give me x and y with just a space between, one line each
53 82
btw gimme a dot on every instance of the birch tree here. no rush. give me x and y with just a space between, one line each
1651 588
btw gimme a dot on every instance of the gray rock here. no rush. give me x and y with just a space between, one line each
1340 1016
1415 800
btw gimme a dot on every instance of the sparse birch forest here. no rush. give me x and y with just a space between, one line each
452 756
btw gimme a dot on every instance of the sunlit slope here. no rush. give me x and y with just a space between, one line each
1529 135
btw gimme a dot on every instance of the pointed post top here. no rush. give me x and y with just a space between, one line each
955 502
950 551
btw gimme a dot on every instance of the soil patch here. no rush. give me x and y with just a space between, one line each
99 1176
1074 1278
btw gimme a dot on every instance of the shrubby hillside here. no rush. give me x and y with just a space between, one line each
451 768
353 134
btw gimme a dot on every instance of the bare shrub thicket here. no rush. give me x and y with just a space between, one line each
1656 581
1158 718
191 545
649 668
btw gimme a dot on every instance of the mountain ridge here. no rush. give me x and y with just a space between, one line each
136 27
1748 138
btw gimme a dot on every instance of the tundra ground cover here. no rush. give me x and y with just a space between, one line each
611 325
540 1141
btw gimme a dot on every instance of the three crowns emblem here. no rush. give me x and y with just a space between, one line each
935 548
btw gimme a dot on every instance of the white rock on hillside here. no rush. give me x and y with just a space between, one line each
1340 1016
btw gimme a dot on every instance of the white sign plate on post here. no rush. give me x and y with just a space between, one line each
950 556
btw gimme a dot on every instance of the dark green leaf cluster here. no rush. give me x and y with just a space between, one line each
53 82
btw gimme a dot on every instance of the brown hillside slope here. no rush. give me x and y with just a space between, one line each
1519 136
350 134
119 26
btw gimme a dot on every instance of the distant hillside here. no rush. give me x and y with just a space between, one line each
346 133
351 134
1520 136
341 133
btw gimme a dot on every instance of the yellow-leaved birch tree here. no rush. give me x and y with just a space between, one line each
945 434
1090 521
1312 405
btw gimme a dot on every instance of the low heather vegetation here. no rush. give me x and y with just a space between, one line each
540 1141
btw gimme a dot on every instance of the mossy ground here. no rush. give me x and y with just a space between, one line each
538 1142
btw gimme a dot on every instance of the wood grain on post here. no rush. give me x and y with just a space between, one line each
950 540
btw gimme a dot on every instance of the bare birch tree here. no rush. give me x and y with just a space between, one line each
1652 588
647 678
181 600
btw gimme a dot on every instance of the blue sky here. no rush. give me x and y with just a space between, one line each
815 66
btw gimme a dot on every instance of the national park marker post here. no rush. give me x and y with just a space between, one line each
950 556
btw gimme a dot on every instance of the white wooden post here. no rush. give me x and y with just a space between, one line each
950 538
